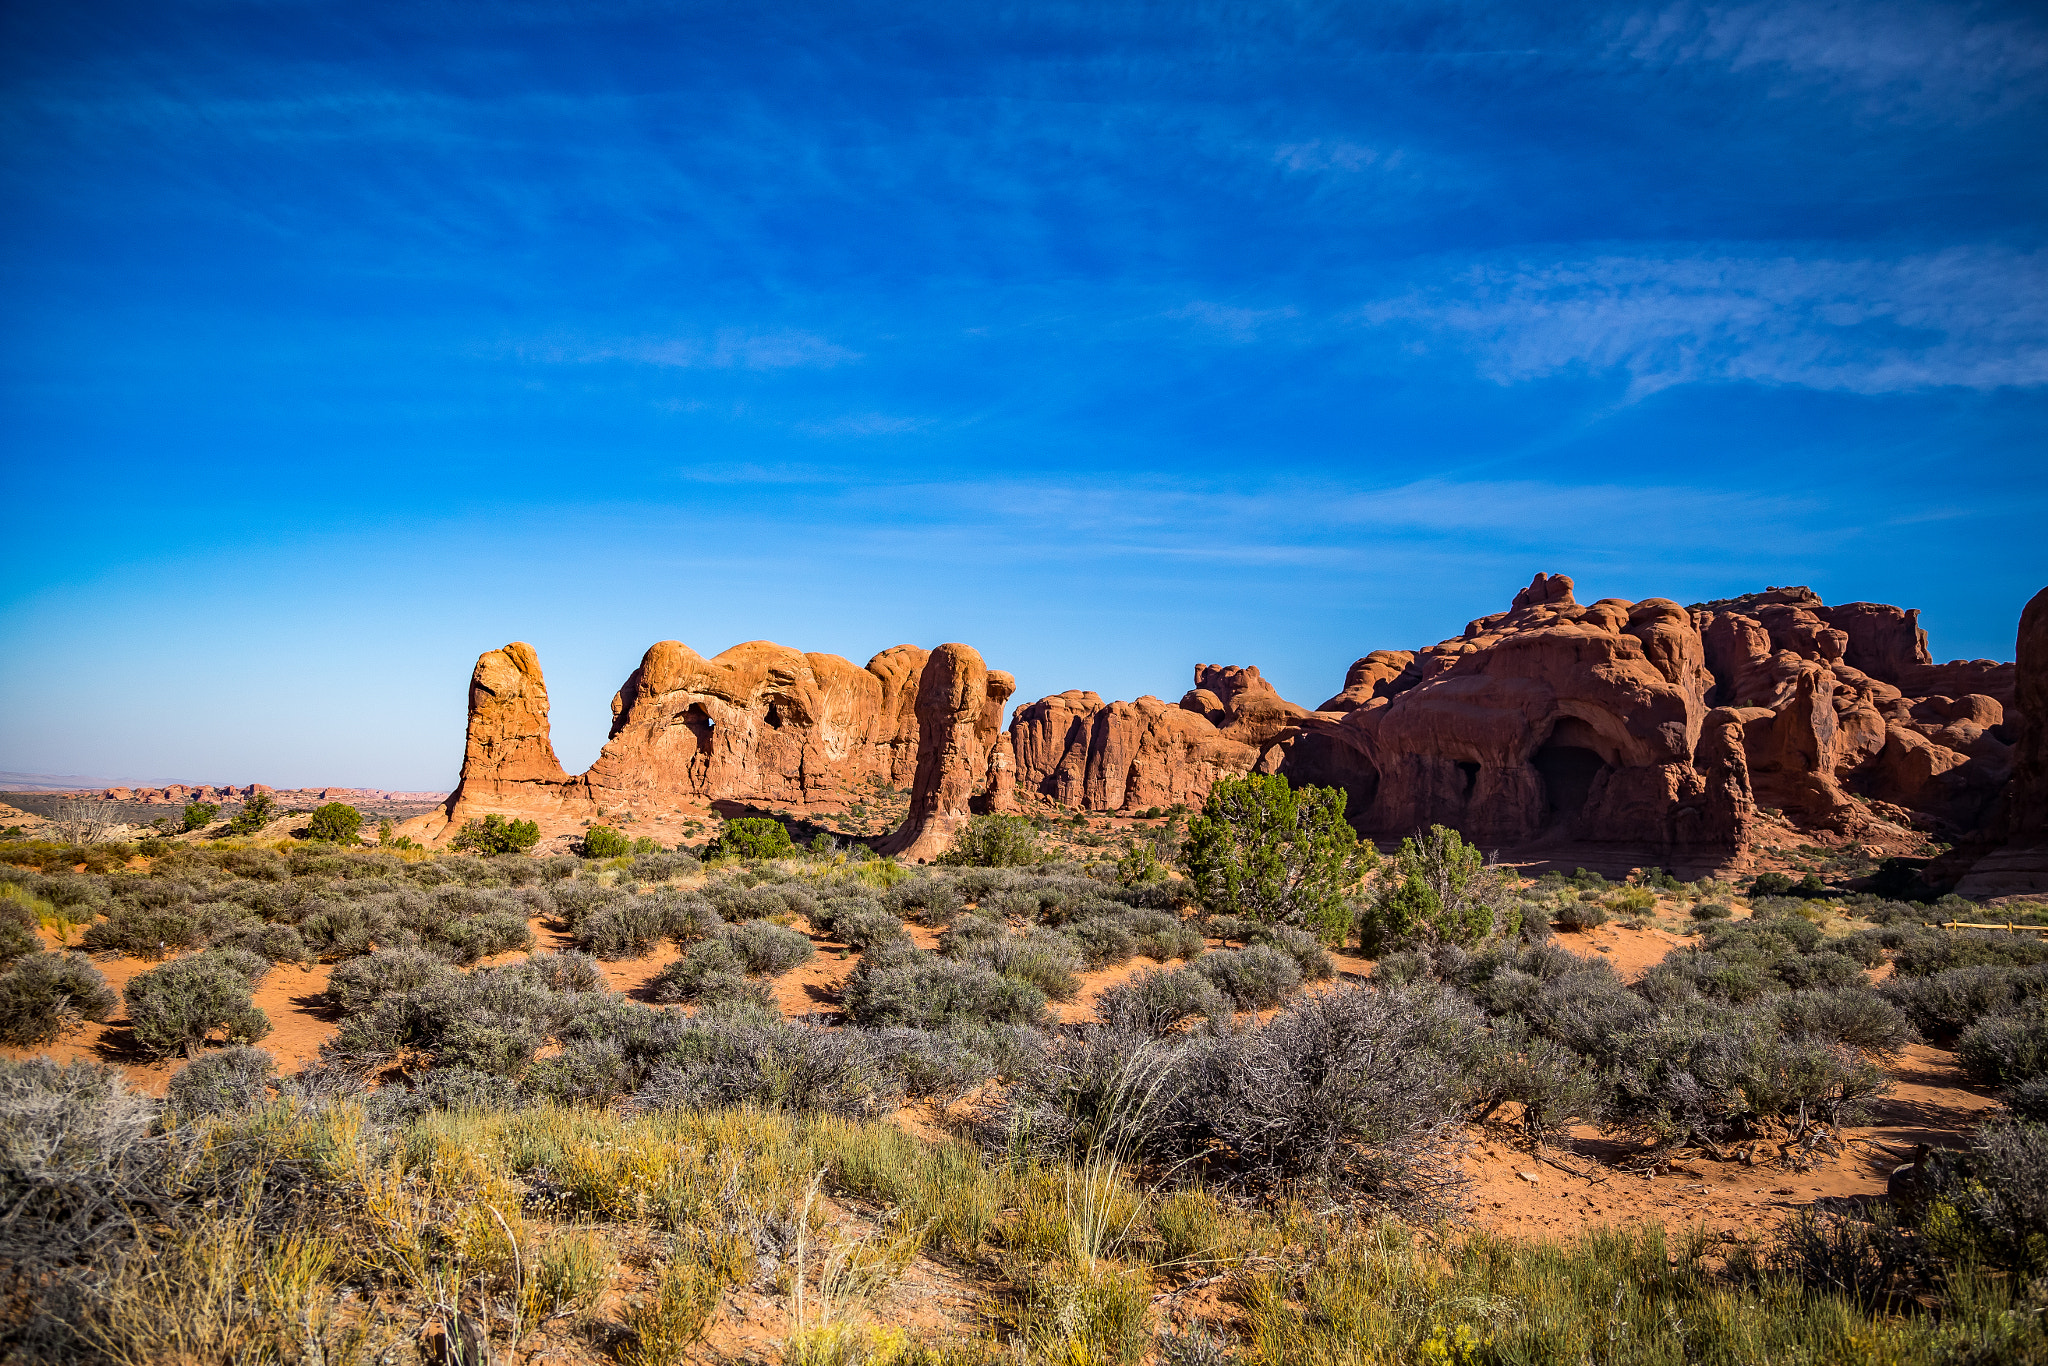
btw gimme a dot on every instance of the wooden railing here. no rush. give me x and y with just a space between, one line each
2009 927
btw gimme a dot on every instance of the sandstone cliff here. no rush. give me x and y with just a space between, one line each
760 725
1618 732
2021 865
1659 730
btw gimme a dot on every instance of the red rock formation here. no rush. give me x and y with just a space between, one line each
959 716
1079 752
1547 719
761 724
1658 730
1241 705
2021 866
1648 730
1379 674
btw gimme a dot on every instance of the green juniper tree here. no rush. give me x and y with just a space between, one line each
1263 850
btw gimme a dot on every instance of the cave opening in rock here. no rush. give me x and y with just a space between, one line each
1471 772
1568 769
1320 761
699 723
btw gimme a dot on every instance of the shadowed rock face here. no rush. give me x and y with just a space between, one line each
1659 729
959 715
2021 866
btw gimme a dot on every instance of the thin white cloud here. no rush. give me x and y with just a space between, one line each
864 424
1972 318
1237 324
1933 58
728 349
1313 523
1332 155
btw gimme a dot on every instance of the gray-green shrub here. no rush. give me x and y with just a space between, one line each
1253 978
44 995
225 1082
176 1007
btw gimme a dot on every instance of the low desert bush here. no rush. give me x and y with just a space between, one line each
1164 942
229 1081
444 1088
661 867
767 950
750 1056
1581 915
278 943
925 900
360 982
347 929
1553 1085
865 925
712 971
45 995
1632 901
2005 1051
1355 1090
1046 959
995 842
1942 1005
1102 940
925 991
147 931
751 837
177 1007
1711 1072
1855 1016
1304 948
624 927
945 1065
465 939
1711 910
603 842
1991 1206
1156 1002
1935 951
1253 978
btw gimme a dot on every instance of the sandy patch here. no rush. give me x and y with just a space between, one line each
293 996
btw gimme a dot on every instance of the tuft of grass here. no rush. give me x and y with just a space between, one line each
668 1323
572 1274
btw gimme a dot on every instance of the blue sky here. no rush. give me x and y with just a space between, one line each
345 341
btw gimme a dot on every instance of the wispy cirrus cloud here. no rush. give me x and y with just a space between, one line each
1318 523
864 424
1973 318
1233 323
1332 155
1937 59
727 349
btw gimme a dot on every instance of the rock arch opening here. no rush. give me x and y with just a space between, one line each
1569 765
699 723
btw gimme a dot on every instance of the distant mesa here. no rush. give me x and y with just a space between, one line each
178 794
1612 734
